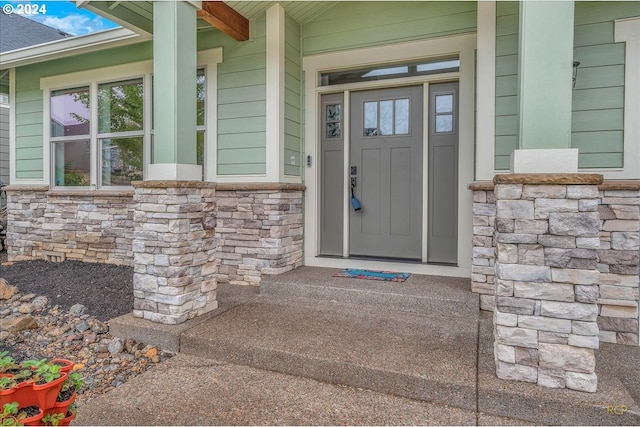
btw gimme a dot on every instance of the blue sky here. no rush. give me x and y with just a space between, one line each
62 15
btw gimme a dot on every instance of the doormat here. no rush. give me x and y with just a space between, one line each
357 273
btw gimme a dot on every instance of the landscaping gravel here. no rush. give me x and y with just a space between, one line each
52 310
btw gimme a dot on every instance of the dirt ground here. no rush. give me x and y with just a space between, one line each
106 290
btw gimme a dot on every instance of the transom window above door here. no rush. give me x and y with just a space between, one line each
386 117
387 71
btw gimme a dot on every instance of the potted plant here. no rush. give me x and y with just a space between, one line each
17 388
53 419
67 395
13 415
8 366
47 382
69 416
65 364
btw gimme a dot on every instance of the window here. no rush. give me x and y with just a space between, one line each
71 137
99 133
444 113
384 72
118 144
386 118
120 132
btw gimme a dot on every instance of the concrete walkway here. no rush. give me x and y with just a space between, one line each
310 349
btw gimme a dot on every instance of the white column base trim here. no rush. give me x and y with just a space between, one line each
174 172
561 160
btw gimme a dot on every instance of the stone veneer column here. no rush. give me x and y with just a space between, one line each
483 268
25 215
547 235
174 250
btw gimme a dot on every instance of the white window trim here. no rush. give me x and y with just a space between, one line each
462 45
92 78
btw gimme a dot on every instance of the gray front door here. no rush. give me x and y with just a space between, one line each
386 170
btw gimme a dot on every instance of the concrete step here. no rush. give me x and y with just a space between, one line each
430 358
429 295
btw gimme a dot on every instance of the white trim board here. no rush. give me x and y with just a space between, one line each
486 92
628 31
70 46
462 45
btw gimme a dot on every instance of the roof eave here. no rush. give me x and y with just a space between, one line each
71 46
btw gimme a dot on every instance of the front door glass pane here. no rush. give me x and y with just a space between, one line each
444 103
370 118
402 116
444 123
386 117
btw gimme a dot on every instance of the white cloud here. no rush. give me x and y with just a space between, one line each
75 24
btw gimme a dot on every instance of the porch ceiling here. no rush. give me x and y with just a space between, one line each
138 15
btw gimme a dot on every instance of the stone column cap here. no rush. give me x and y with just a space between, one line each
549 178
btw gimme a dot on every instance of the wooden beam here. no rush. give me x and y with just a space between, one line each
225 18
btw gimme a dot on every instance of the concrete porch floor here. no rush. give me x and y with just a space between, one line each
310 349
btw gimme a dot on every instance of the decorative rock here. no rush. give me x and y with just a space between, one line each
17 324
523 273
582 382
592 341
99 327
511 371
568 310
515 305
544 291
78 310
129 345
553 378
544 324
527 356
151 353
40 302
584 328
26 308
115 346
82 326
56 332
506 353
7 291
517 336
567 357
587 294
583 224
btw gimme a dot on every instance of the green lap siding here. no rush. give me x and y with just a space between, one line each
292 107
506 82
241 100
598 97
352 25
